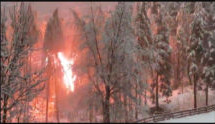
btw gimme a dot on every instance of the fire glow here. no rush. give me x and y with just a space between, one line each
68 76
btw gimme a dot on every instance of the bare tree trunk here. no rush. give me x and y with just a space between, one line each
153 97
106 106
152 76
4 118
47 101
26 112
56 101
182 87
91 112
19 114
1 99
114 112
206 93
18 118
140 100
194 90
119 106
136 104
125 106
177 81
145 96
130 109
157 100
188 70
48 85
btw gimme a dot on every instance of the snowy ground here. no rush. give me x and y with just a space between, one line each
184 101
206 117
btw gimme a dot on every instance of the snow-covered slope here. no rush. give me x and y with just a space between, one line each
206 117
180 102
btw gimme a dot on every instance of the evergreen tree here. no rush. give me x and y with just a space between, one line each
162 53
196 49
208 59
145 41
183 19
178 55
53 43
53 39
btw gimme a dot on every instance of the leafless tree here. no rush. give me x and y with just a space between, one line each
18 85
112 53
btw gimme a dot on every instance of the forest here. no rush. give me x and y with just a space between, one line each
122 64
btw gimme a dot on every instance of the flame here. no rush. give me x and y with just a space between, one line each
68 76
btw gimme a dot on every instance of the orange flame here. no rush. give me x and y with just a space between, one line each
68 76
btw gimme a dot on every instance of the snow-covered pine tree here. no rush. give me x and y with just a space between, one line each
182 34
162 53
196 49
185 18
208 59
124 55
145 40
177 56
121 53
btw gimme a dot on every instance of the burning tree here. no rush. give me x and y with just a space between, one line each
53 42
18 85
